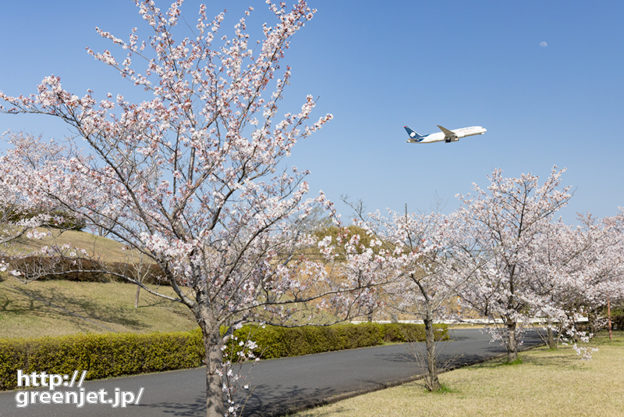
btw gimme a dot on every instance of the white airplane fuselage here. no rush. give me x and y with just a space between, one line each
443 137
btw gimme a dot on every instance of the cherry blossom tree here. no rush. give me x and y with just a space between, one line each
616 294
556 254
504 222
432 267
356 257
563 258
576 271
416 264
20 216
192 177
601 277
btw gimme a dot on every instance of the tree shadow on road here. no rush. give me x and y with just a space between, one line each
195 409
263 401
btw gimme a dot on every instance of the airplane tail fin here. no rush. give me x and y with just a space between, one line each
414 137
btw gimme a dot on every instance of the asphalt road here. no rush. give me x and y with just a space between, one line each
278 385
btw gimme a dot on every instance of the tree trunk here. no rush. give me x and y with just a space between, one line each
431 380
215 404
591 322
550 340
609 318
559 332
136 297
512 343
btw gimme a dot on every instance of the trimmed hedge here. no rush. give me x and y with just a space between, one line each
103 355
403 332
279 342
116 354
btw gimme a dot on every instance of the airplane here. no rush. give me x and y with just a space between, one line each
446 135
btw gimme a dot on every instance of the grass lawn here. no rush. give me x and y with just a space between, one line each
546 383
58 307
101 248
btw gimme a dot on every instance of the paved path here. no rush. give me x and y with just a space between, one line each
279 384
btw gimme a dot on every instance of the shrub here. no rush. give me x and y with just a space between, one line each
59 218
276 342
82 270
404 332
101 355
116 354
617 318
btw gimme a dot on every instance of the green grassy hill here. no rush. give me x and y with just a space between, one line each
58 307
106 250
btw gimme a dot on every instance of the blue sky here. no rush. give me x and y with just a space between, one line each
380 65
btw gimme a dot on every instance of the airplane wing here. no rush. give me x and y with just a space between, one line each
448 133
